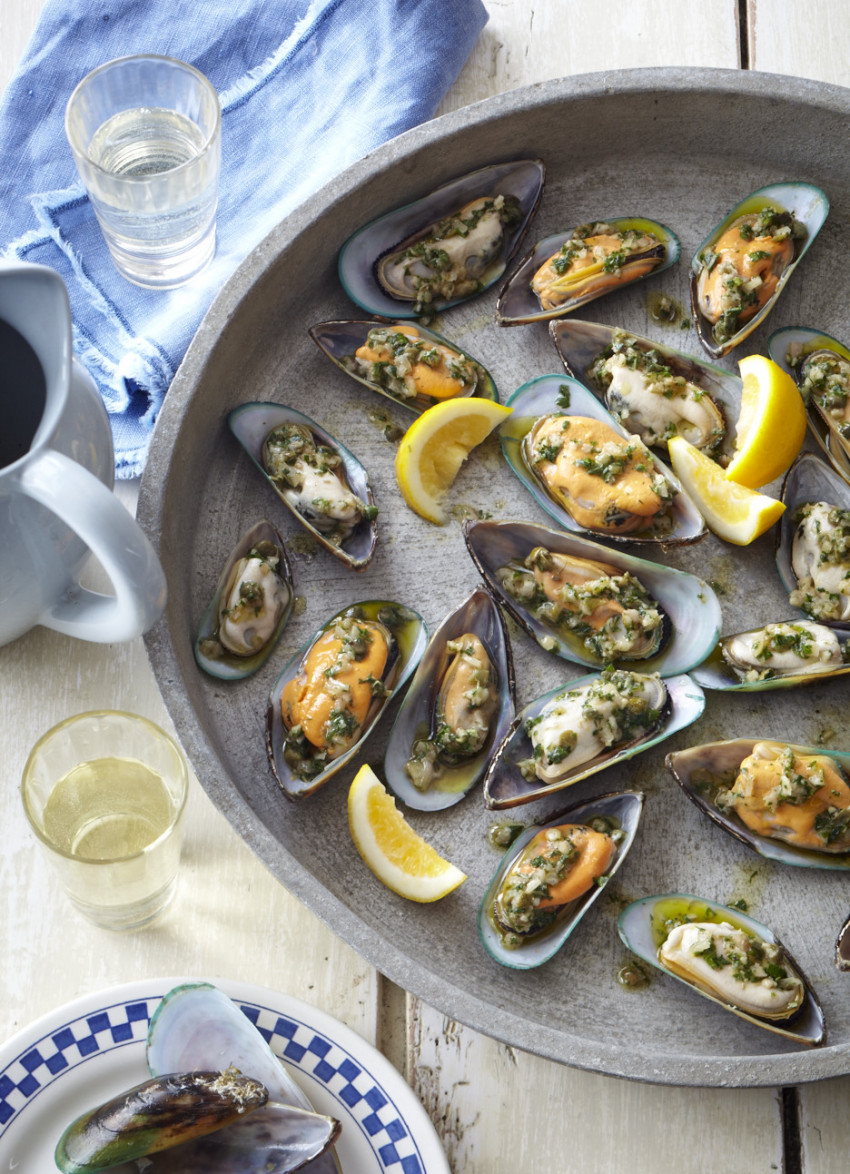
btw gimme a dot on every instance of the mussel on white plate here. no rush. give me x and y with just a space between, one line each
742 266
569 269
406 362
783 655
249 608
331 694
457 709
587 472
446 246
552 874
651 389
319 481
727 957
813 548
196 1026
594 605
820 365
788 803
579 729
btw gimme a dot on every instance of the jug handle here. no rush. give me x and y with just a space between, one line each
98 517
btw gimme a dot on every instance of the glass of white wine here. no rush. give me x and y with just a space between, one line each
145 133
105 792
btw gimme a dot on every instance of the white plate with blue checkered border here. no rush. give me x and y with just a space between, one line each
88 1051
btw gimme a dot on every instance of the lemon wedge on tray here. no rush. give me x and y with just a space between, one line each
730 510
771 425
435 446
396 854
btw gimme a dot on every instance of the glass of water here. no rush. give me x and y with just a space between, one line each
145 133
105 793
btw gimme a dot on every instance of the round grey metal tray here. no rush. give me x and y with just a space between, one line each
678 146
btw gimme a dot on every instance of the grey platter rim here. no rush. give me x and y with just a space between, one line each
510 1027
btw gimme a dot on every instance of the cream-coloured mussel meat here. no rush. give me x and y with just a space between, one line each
555 868
608 610
607 482
645 394
312 480
578 725
252 601
824 380
783 649
740 271
449 260
406 364
598 256
466 703
820 560
800 798
734 966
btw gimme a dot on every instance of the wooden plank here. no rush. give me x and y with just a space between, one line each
804 40
531 42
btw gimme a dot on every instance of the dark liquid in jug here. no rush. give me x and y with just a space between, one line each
23 391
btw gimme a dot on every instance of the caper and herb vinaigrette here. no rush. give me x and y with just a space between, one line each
466 701
579 724
325 706
597 252
400 360
729 962
605 481
820 559
609 613
741 269
649 398
450 259
558 865
802 799
312 479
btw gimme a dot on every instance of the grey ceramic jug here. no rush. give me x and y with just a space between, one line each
56 477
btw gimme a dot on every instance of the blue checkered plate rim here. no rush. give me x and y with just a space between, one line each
87 1051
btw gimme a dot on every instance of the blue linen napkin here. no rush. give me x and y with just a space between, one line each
306 88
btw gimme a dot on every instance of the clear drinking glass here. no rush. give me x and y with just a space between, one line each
145 133
105 792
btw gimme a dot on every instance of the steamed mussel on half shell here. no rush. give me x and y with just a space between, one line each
330 695
587 472
551 875
727 957
813 551
782 655
249 609
742 266
445 247
593 605
651 390
572 268
457 709
578 729
196 1025
407 363
788 803
320 482
820 365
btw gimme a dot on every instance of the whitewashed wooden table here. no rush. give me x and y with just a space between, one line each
495 1109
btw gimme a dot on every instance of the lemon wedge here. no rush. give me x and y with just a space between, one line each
771 424
396 854
732 511
436 445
